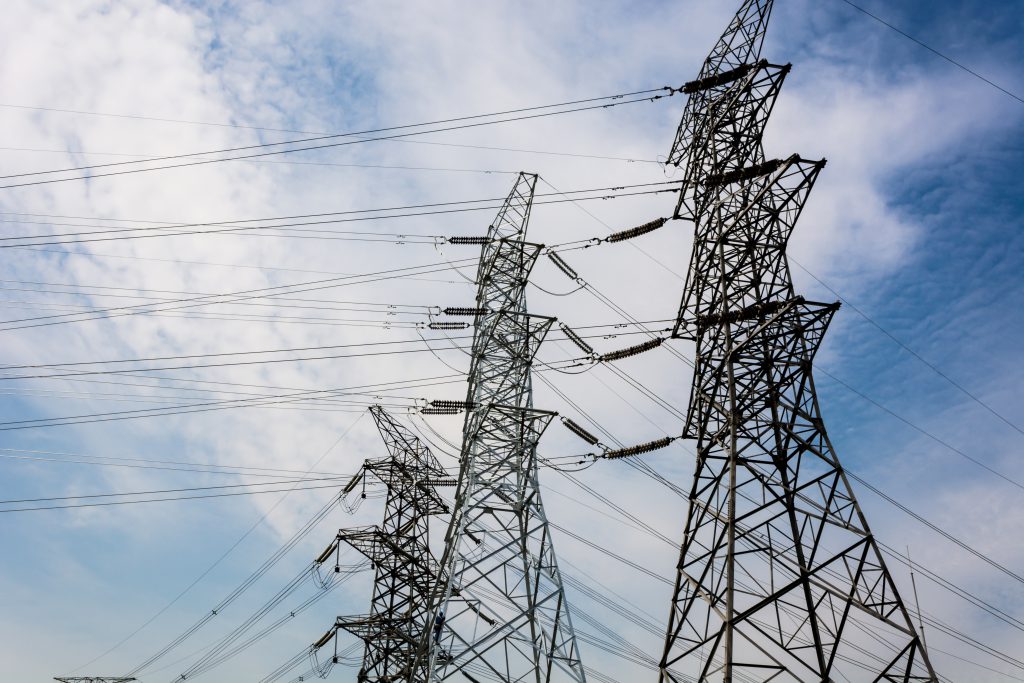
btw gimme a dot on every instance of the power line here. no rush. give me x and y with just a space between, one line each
92 176
231 549
911 351
243 295
934 527
307 271
949 59
409 211
189 408
189 489
291 230
307 132
923 431
288 162
189 465
294 349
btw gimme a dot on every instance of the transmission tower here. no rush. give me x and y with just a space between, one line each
501 600
779 577
92 679
404 569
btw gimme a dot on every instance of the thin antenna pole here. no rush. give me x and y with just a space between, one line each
917 603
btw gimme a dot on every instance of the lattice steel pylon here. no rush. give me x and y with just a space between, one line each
779 576
503 606
92 679
404 569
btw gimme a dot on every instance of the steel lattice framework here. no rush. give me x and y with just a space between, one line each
504 607
405 570
93 679
779 577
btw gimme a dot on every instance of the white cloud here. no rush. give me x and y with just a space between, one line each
324 67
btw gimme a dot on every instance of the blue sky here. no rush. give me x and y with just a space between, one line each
916 221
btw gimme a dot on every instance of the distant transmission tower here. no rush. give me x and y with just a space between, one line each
779 577
500 612
92 679
405 571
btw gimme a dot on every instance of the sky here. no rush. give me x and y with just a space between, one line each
915 223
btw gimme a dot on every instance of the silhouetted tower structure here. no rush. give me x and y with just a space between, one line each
779 576
502 601
404 569
92 679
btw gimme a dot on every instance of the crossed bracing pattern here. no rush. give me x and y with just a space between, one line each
779 577
502 600
404 569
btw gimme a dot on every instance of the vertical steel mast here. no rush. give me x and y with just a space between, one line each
779 577
404 570
500 613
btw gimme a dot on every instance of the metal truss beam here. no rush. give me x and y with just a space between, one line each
779 577
501 599
404 569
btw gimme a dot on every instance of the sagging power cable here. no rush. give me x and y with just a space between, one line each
189 160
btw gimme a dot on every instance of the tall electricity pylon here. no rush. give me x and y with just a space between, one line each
500 612
779 577
92 679
405 571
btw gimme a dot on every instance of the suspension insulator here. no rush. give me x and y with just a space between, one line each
463 310
448 326
562 265
637 231
580 431
641 448
633 350
324 639
448 406
447 403
327 553
720 79
440 482
468 240
350 487
430 410
577 339
747 173
751 312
